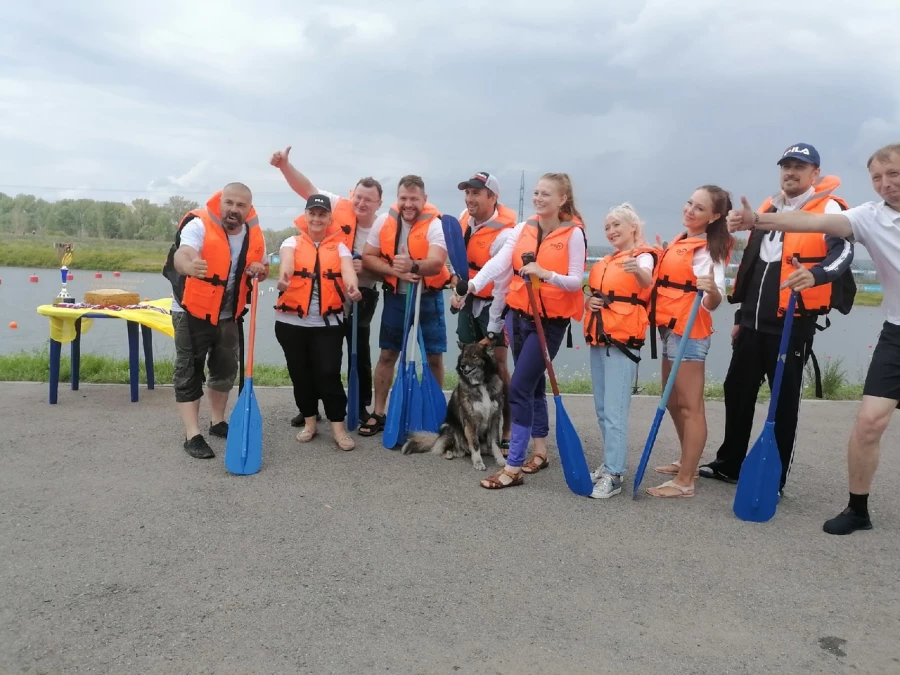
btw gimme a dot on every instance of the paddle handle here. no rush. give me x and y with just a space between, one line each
682 346
254 285
782 354
529 258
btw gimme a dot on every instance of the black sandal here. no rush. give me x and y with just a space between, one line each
372 429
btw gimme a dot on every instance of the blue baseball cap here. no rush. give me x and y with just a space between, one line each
803 152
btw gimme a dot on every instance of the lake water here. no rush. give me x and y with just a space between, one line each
850 337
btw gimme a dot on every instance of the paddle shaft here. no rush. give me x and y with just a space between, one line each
252 341
529 258
782 355
682 346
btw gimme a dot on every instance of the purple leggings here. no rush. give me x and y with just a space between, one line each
527 387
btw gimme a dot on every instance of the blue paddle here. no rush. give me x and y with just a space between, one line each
571 453
434 405
353 375
243 446
756 496
413 387
394 419
456 246
670 383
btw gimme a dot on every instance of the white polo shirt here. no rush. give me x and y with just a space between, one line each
877 227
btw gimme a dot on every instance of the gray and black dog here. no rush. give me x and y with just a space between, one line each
474 421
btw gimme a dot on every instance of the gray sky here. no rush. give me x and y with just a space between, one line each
638 101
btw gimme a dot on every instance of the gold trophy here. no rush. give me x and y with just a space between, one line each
65 253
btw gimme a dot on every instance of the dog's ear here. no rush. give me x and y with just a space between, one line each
488 349
459 343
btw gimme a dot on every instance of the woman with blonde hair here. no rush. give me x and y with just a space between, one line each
555 238
617 307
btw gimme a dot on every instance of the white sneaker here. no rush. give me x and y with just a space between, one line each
607 486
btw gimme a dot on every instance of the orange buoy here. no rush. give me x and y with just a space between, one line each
98 275
146 299
70 276
33 278
115 274
13 324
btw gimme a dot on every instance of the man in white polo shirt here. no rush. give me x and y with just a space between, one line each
875 225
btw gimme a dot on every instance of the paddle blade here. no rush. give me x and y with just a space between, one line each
243 447
394 418
414 397
571 453
648 448
456 245
756 496
353 395
434 405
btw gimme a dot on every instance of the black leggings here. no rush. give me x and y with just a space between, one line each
314 357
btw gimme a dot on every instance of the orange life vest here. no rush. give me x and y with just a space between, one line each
343 220
416 245
676 286
625 317
810 248
320 265
553 255
478 245
203 298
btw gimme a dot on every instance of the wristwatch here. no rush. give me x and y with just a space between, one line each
415 267
492 336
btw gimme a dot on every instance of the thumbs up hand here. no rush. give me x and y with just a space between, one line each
743 219
630 264
280 159
707 282
800 279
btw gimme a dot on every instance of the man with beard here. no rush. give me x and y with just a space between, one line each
217 249
773 265
404 247
360 211
486 223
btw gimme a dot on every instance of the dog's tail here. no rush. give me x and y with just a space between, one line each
420 441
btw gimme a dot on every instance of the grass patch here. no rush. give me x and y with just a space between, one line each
34 366
868 299
37 252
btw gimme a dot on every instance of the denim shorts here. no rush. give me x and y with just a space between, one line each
431 321
696 350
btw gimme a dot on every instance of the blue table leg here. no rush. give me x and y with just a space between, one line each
133 359
55 349
147 339
76 355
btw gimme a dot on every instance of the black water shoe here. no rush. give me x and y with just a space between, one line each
198 448
847 522
220 429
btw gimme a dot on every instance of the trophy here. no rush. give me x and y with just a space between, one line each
64 253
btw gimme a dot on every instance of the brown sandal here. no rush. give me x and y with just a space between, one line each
535 463
345 442
494 483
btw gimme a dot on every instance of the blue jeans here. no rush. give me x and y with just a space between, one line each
612 375
696 350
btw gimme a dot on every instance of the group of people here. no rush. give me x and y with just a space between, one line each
801 241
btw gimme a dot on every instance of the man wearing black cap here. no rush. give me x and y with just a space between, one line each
486 223
773 265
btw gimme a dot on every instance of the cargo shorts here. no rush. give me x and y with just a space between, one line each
200 345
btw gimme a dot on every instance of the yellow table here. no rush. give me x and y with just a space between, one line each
68 323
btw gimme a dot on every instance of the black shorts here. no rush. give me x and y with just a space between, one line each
883 378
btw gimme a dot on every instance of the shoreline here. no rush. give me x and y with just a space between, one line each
34 367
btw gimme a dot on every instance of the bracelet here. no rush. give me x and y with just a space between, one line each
756 219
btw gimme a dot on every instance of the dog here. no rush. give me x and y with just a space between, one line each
474 420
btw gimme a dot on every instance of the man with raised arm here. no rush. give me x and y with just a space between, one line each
875 225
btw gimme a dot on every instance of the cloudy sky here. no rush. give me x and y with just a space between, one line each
638 101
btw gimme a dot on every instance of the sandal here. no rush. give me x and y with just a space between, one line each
345 442
535 463
372 429
494 483
305 435
673 469
680 490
